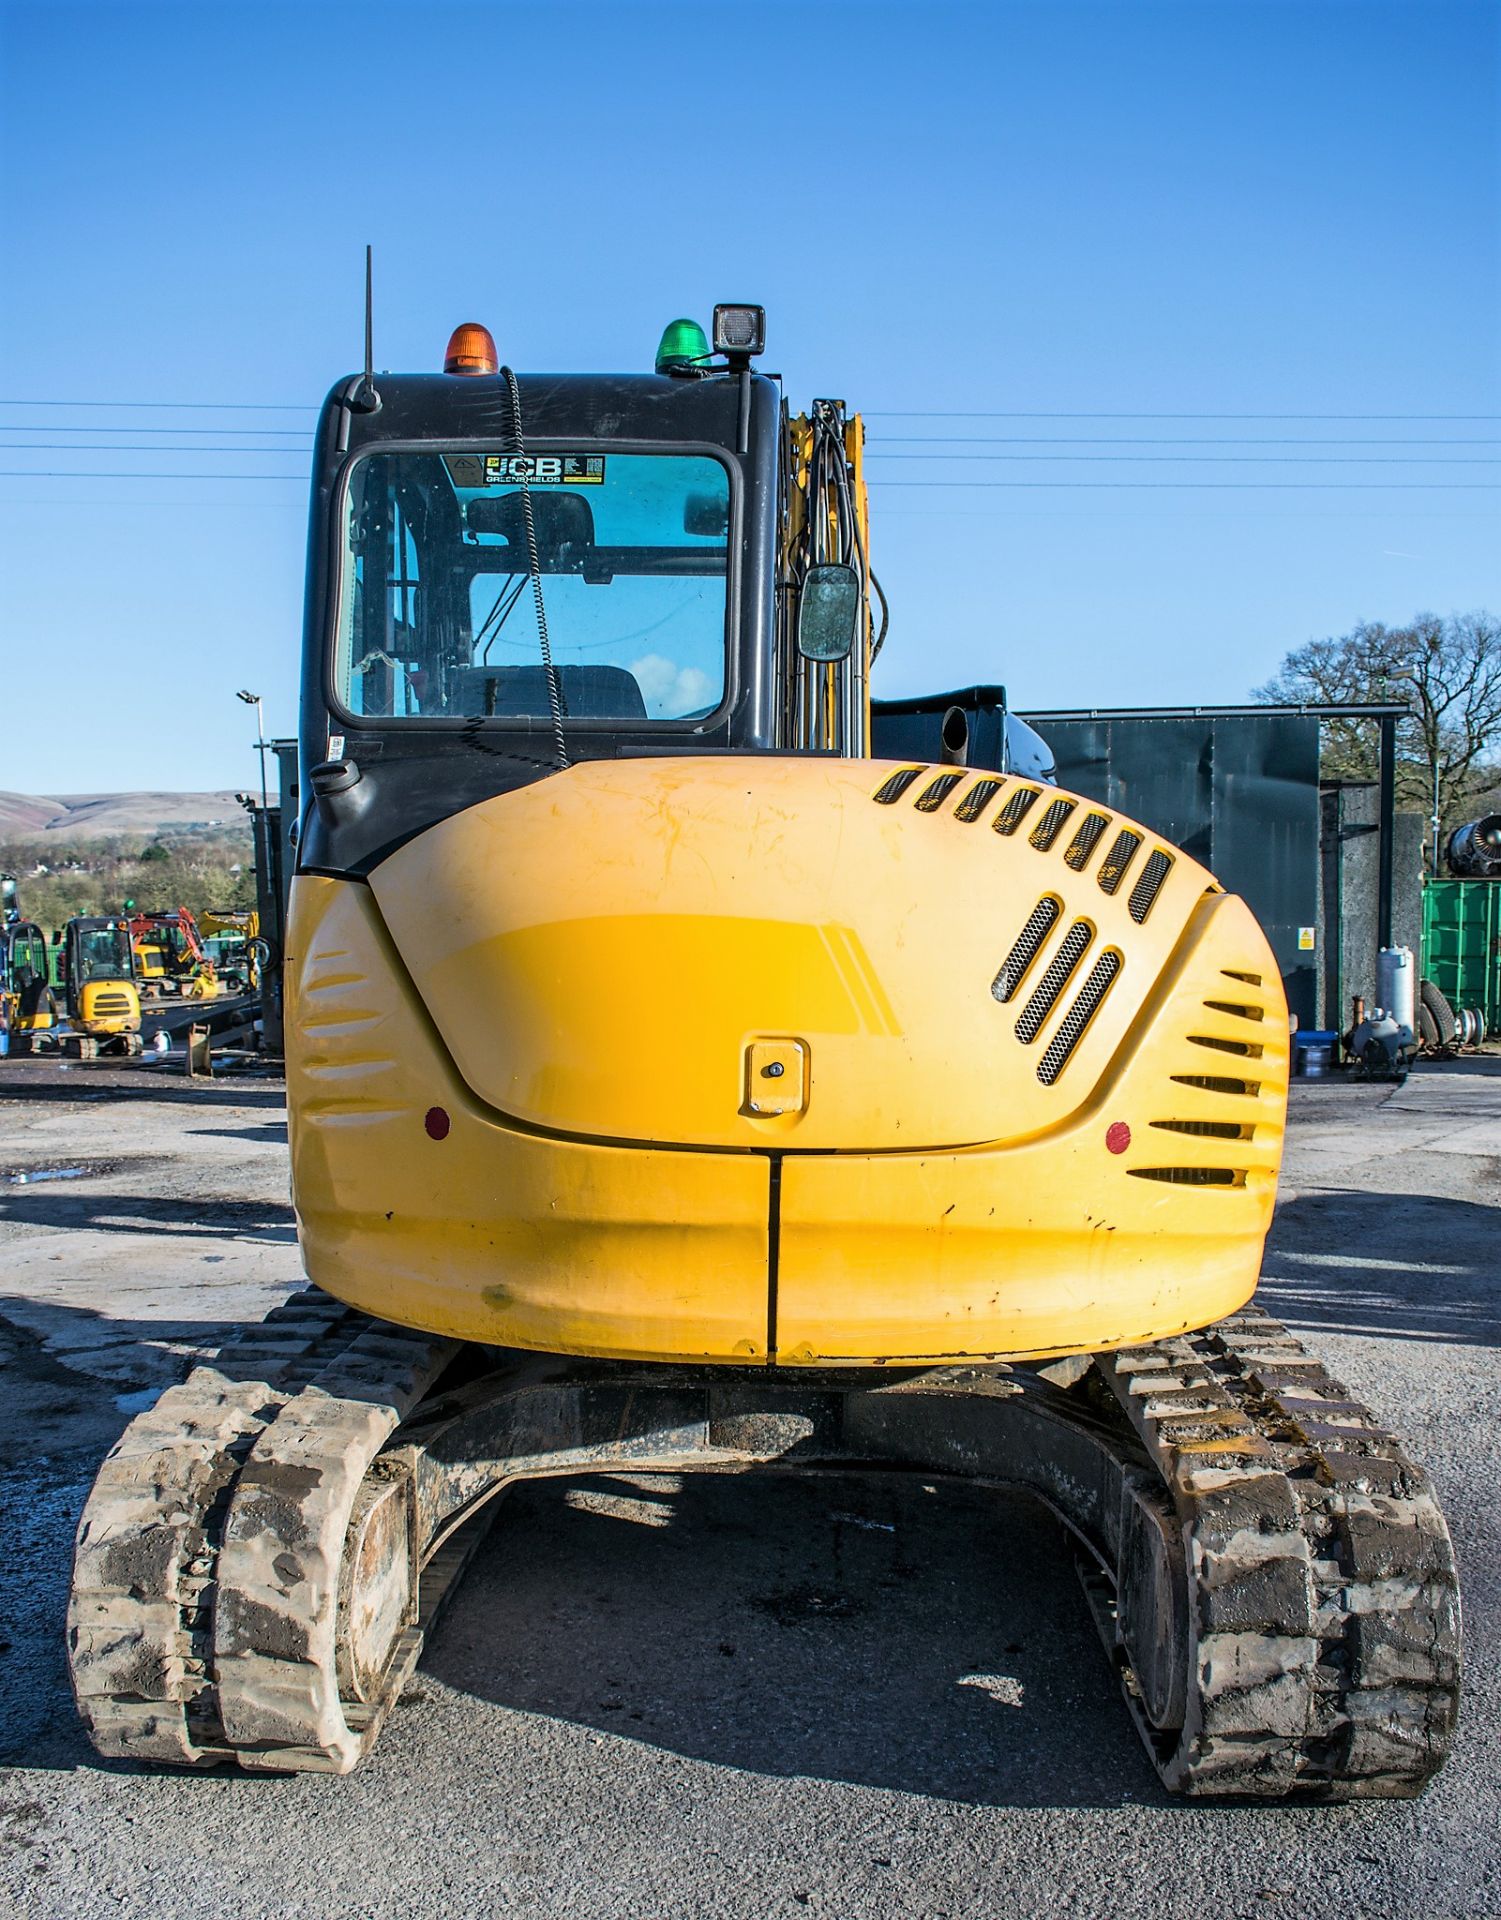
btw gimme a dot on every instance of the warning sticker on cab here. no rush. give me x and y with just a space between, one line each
536 469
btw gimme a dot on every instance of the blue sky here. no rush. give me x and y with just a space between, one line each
1076 245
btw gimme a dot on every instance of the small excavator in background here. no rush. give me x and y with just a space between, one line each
170 957
101 1003
233 937
676 1085
78 997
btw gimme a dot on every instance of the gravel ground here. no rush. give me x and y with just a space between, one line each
717 1696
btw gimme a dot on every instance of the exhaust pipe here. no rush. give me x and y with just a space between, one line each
953 738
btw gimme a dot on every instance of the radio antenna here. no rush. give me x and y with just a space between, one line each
366 398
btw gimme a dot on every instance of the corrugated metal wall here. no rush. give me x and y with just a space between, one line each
1239 792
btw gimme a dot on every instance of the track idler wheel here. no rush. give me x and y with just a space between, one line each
1152 1603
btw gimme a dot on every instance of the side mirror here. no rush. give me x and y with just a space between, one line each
828 613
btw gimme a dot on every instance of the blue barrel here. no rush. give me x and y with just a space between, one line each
1314 1053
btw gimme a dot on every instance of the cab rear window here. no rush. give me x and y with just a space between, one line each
438 608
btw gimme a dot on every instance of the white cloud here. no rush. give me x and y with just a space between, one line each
670 690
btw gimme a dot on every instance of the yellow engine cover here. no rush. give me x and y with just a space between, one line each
1019 1066
109 1007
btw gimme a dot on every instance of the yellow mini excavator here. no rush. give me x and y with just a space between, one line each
100 999
674 1085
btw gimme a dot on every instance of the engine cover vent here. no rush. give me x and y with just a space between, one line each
977 800
1059 970
1087 1003
1085 841
1040 923
891 790
937 791
1216 1083
1016 809
1052 823
1113 866
1192 1176
1149 884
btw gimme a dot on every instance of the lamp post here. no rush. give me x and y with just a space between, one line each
261 742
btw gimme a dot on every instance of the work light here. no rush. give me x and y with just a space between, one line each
740 332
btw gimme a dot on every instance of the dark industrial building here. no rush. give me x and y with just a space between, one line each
1238 789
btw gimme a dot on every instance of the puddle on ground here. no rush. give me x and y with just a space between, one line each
79 1170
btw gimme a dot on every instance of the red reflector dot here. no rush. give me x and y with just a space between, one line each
1117 1136
437 1124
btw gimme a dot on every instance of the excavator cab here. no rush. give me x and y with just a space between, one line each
99 989
674 1085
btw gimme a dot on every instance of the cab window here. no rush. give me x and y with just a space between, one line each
437 609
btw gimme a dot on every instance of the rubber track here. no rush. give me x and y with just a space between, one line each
1325 1615
276 1623
141 1616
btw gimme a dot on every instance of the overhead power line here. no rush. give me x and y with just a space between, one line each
1202 486
969 486
303 437
1044 458
1126 440
106 446
1208 459
116 446
91 473
971 413
878 413
295 439
1085 459
179 406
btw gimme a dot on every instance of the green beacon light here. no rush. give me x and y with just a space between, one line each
684 342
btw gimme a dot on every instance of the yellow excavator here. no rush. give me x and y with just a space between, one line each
96 1007
170 957
239 951
675 1084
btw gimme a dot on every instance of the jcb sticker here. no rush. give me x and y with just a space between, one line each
544 469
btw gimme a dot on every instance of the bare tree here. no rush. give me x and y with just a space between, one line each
1450 671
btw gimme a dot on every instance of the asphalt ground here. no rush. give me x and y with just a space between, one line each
718 1696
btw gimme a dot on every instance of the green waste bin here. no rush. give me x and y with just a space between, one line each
1462 944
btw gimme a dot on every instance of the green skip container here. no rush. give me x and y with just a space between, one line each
1462 944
